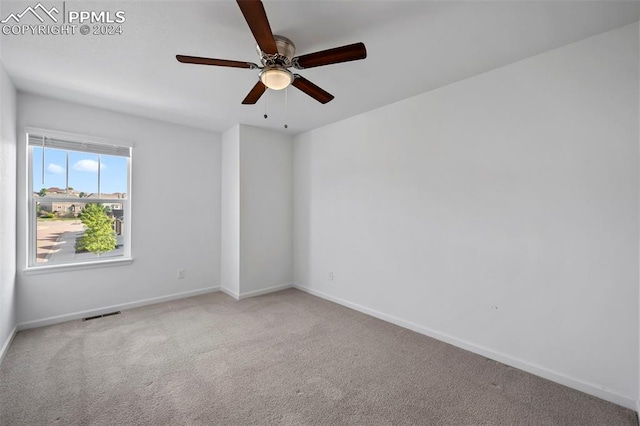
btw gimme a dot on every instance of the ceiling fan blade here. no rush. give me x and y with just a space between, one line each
256 17
255 94
311 89
351 52
210 61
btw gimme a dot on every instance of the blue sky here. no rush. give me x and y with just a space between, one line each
83 171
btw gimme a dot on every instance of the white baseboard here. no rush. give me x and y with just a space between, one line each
230 292
262 291
586 387
99 311
7 343
254 293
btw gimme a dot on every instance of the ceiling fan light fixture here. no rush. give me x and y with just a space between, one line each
276 78
277 55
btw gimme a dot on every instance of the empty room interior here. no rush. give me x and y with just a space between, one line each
319 212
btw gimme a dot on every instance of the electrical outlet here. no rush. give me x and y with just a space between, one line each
180 274
330 276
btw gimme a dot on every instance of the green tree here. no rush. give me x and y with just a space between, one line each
82 195
42 192
99 236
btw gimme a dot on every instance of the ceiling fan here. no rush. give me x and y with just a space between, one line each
276 55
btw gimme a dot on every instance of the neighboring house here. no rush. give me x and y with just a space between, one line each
58 201
112 207
64 205
115 195
55 190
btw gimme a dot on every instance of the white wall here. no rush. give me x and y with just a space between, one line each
499 213
175 208
7 209
266 210
230 203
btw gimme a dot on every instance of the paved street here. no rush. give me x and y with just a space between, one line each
49 239
57 239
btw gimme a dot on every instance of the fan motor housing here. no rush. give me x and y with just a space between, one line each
286 50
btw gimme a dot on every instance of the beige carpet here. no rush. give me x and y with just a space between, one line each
286 358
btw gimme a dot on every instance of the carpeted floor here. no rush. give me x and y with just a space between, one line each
287 358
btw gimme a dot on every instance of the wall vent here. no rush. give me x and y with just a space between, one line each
100 316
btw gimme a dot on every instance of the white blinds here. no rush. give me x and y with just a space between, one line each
95 148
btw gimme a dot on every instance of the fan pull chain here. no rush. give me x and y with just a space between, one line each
286 107
266 96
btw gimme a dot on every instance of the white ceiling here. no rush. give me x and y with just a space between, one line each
426 44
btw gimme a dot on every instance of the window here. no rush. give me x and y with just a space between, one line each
79 206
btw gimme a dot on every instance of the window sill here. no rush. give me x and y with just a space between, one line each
34 270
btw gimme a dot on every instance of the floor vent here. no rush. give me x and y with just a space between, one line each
101 316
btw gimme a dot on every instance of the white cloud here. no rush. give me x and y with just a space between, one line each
55 169
88 166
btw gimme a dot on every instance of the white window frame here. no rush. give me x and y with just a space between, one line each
31 244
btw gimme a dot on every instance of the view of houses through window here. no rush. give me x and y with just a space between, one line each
78 202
